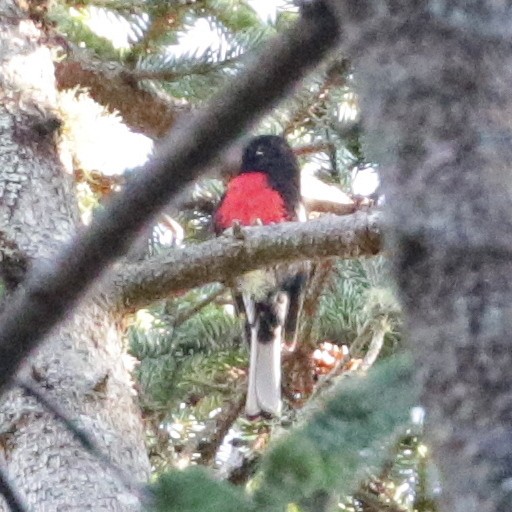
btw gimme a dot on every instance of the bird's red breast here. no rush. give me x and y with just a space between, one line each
249 197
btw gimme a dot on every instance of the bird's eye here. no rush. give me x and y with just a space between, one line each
260 152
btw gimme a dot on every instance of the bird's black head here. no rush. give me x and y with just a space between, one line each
272 155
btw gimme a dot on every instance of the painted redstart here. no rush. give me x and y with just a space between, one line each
266 190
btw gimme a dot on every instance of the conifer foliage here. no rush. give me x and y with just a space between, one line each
345 440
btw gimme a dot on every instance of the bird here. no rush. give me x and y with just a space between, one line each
266 190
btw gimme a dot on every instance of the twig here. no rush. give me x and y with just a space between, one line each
171 75
311 149
52 291
189 313
335 77
312 300
215 433
219 388
314 204
13 500
80 435
356 347
376 343
372 334
223 423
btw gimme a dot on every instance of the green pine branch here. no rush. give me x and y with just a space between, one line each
74 27
350 435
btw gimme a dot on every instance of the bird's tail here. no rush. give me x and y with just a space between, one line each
266 320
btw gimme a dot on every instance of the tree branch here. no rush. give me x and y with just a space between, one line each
223 258
181 318
380 328
216 430
53 289
142 111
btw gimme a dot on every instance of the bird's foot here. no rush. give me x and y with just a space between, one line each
237 230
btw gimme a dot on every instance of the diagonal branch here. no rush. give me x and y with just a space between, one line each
225 257
51 291
110 85
320 273
181 318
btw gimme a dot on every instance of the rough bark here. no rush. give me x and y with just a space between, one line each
82 365
142 111
434 81
224 258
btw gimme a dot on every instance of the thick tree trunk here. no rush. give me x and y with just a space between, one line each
435 84
81 366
